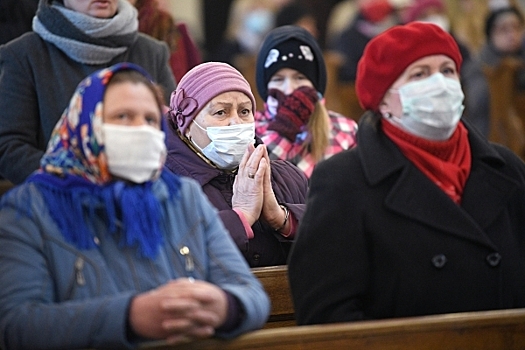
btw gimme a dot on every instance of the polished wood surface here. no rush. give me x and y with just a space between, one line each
487 330
275 281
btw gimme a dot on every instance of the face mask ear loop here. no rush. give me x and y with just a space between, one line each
200 127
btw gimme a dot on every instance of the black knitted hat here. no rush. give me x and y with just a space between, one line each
290 47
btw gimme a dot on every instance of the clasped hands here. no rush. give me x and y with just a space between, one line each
179 311
252 190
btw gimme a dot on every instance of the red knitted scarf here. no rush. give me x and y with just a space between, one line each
446 163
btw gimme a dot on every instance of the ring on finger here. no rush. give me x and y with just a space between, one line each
251 176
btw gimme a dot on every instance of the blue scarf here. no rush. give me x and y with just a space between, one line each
75 181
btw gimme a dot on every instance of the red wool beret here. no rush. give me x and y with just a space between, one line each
387 56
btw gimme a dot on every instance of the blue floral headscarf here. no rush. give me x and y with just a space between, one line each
75 180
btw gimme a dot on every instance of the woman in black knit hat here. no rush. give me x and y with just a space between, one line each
291 79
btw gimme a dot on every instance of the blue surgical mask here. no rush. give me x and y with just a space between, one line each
432 107
228 143
259 21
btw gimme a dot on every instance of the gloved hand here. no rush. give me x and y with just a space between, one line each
293 111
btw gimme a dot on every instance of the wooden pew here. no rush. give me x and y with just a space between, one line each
275 281
486 330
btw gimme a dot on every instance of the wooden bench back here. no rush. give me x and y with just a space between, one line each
487 330
275 281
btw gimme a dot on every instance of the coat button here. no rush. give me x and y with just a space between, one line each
256 257
439 261
494 259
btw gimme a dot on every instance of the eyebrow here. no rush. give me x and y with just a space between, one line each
228 104
212 105
248 102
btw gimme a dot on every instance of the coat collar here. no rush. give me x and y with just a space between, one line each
412 195
182 160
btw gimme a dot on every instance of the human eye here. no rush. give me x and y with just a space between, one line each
246 112
122 116
418 74
152 120
301 77
276 79
448 71
219 113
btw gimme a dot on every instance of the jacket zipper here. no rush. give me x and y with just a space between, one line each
79 266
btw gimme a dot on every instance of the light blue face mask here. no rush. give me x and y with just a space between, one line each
259 21
228 143
432 107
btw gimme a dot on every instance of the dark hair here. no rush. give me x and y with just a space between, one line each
291 14
493 16
133 76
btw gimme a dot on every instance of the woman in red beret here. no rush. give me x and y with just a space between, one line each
424 216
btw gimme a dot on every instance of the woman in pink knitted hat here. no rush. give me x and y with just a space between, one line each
424 215
212 139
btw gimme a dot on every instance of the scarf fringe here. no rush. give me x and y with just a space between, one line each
68 198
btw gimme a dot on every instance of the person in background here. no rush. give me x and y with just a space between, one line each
372 18
103 249
321 10
156 22
505 34
248 23
473 81
40 70
424 215
502 59
299 15
211 139
339 18
291 78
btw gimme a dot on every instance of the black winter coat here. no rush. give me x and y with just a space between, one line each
380 240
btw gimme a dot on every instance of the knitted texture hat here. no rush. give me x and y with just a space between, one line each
387 55
290 47
199 86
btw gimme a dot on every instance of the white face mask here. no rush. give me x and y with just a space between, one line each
432 107
228 143
135 153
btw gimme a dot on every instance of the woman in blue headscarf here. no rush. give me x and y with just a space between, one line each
100 248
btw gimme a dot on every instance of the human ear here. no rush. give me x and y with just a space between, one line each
384 109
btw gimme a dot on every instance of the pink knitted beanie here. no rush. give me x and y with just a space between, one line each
200 85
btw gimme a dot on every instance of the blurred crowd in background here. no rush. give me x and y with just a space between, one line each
490 34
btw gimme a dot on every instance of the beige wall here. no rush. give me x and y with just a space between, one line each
188 11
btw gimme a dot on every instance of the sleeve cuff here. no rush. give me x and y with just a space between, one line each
235 314
247 227
293 227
